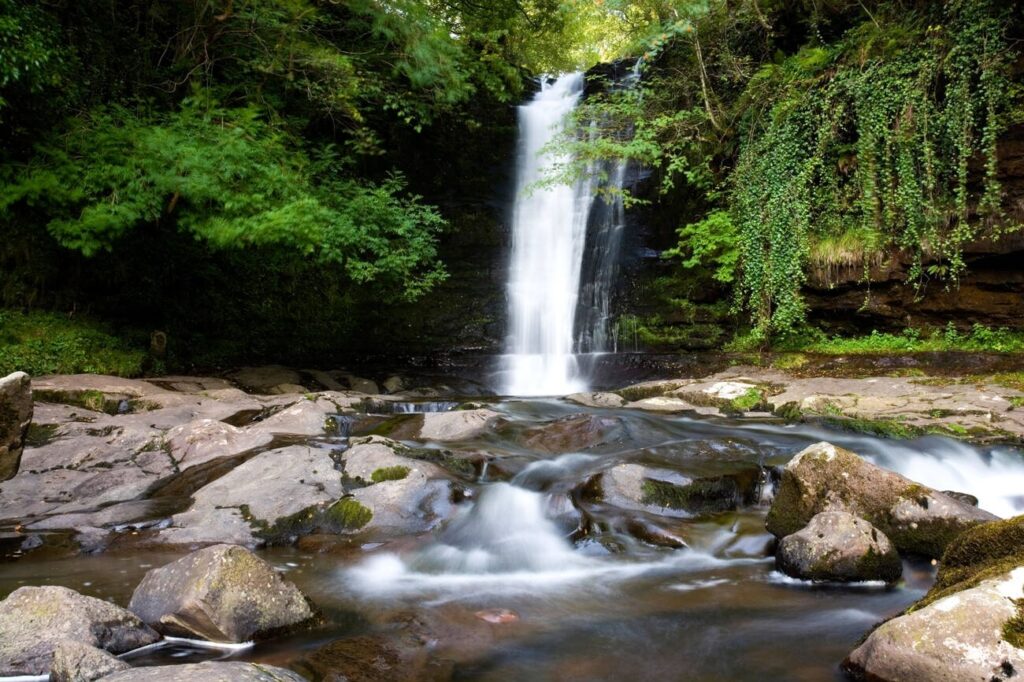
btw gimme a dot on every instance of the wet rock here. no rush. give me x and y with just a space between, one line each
208 672
966 498
376 460
413 504
457 425
824 477
669 405
205 439
669 493
304 418
361 385
258 500
394 384
963 636
654 535
223 593
265 379
35 620
839 546
375 658
15 417
77 662
572 434
597 399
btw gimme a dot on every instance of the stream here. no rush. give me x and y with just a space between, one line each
601 605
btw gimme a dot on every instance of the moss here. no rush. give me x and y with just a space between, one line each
395 473
885 428
701 495
349 514
983 552
40 434
876 566
1013 631
752 399
93 400
790 411
343 516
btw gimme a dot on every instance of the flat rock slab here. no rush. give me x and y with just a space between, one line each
208 672
223 593
457 425
34 621
256 496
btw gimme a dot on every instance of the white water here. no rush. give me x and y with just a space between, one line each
549 228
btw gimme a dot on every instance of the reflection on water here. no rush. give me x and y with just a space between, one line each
607 607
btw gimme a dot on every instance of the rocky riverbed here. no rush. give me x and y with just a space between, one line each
416 529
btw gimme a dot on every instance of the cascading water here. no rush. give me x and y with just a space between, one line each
549 228
564 252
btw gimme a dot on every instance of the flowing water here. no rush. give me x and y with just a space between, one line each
511 590
565 251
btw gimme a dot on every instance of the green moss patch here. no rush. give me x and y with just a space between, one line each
702 495
983 552
349 514
395 473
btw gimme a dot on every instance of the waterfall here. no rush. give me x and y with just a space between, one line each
561 234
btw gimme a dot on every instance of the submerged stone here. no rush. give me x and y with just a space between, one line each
207 672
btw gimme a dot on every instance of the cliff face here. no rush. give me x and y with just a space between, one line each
990 293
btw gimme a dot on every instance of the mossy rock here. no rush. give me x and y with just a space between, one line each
986 551
395 473
823 477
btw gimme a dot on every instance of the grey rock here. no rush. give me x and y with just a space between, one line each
269 487
223 593
77 662
15 417
958 637
839 546
457 425
207 672
597 399
669 493
35 620
915 518
361 385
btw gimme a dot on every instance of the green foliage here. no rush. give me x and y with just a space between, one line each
31 56
232 179
979 339
876 132
711 243
49 343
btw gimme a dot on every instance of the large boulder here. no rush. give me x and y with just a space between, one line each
222 594
207 672
259 500
15 417
34 621
823 477
970 635
839 546
77 662
670 493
